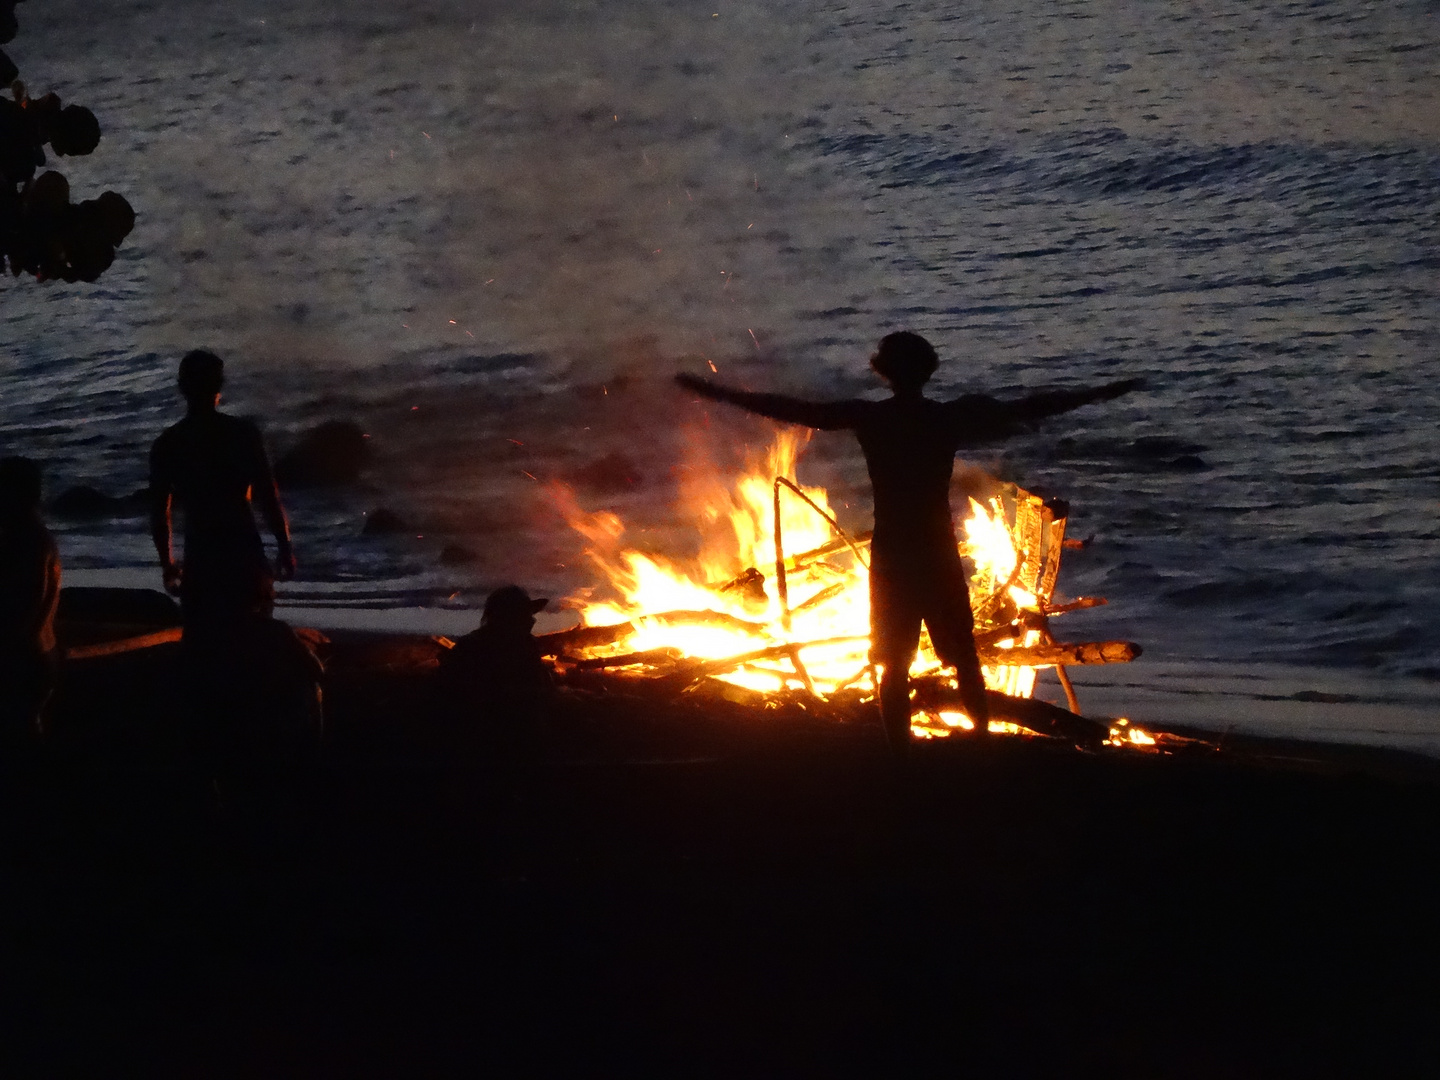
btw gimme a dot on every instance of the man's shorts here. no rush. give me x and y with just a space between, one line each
905 592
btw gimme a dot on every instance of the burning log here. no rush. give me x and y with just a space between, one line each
1079 604
1067 654
583 637
774 652
824 551
648 658
594 637
1045 719
1030 713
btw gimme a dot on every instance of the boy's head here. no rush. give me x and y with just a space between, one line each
510 607
905 360
19 488
201 376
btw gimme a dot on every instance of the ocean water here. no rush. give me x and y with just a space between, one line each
491 232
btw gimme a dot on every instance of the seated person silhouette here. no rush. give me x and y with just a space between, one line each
494 681
910 442
29 595
262 703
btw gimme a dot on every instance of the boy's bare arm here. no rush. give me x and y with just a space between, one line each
825 415
161 528
267 497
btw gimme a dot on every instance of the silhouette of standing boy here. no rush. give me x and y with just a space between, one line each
909 442
29 595
213 465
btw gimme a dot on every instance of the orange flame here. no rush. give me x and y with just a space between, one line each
827 616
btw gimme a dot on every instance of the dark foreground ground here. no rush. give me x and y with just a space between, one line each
731 895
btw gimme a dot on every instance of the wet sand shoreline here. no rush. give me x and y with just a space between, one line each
717 895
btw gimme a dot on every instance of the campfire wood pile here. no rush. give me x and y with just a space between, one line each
1012 608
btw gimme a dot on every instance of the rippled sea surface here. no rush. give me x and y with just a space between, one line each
490 233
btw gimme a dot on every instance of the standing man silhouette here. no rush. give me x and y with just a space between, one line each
909 442
213 465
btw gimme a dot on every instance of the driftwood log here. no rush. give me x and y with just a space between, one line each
115 647
1066 654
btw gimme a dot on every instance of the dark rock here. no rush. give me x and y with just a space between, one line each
83 501
383 522
456 555
330 455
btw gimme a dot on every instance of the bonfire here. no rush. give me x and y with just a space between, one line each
783 614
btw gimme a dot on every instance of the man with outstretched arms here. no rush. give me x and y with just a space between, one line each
909 442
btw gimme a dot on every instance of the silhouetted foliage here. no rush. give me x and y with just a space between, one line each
41 231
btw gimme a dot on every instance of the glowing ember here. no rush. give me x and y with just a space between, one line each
780 598
1123 733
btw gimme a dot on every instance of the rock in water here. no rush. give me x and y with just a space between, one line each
384 522
330 455
456 555
84 501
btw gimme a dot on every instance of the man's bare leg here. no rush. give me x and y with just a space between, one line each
895 707
972 688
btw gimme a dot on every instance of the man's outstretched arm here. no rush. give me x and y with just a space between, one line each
1053 402
826 415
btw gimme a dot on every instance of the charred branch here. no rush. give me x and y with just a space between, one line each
1080 604
824 551
648 658
750 584
1038 716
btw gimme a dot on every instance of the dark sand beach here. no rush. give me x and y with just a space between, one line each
713 891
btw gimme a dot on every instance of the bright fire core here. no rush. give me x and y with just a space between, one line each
817 637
